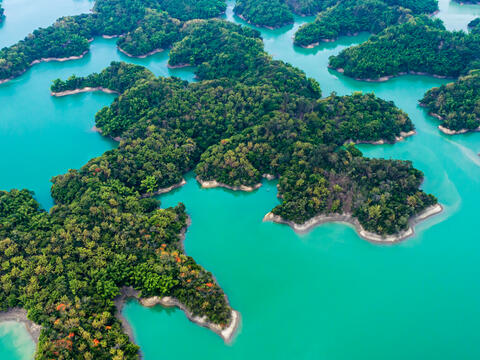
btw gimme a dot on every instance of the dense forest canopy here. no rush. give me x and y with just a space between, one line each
421 45
348 17
143 26
457 104
248 115
267 13
234 126
277 13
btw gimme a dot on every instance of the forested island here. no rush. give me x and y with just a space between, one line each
277 13
247 117
245 110
457 104
421 45
350 17
144 27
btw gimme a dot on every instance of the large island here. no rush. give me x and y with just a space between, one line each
247 117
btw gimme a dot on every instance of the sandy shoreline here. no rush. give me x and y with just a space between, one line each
317 43
179 66
83 90
42 60
402 137
349 219
263 26
126 293
214 184
388 77
20 315
455 132
166 190
116 138
153 52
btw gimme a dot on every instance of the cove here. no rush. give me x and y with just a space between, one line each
327 294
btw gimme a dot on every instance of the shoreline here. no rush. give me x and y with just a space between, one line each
112 36
20 315
403 136
116 138
126 293
165 190
211 184
179 66
153 52
389 77
317 43
83 90
446 130
263 26
349 219
42 60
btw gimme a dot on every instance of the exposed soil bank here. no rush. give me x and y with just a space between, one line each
83 90
388 77
20 315
456 132
402 137
59 59
166 190
126 293
446 130
213 184
153 52
116 138
179 66
263 26
349 219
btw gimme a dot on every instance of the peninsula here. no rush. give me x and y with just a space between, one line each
247 116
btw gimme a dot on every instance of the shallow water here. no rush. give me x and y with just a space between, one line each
324 295
15 343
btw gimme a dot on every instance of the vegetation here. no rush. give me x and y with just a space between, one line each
117 77
421 45
246 116
234 126
307 7
349 17
2 11
456 104
474 26
156 31
267 13
146 24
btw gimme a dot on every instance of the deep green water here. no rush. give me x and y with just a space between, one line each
324 295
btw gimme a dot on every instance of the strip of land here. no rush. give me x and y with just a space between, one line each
349 219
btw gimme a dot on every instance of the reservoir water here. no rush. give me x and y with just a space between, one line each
324 295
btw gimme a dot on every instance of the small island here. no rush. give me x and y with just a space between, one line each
143 29
456 104
438 52
272 14
351 17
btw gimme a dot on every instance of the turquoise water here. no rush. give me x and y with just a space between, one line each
324 295
15 343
